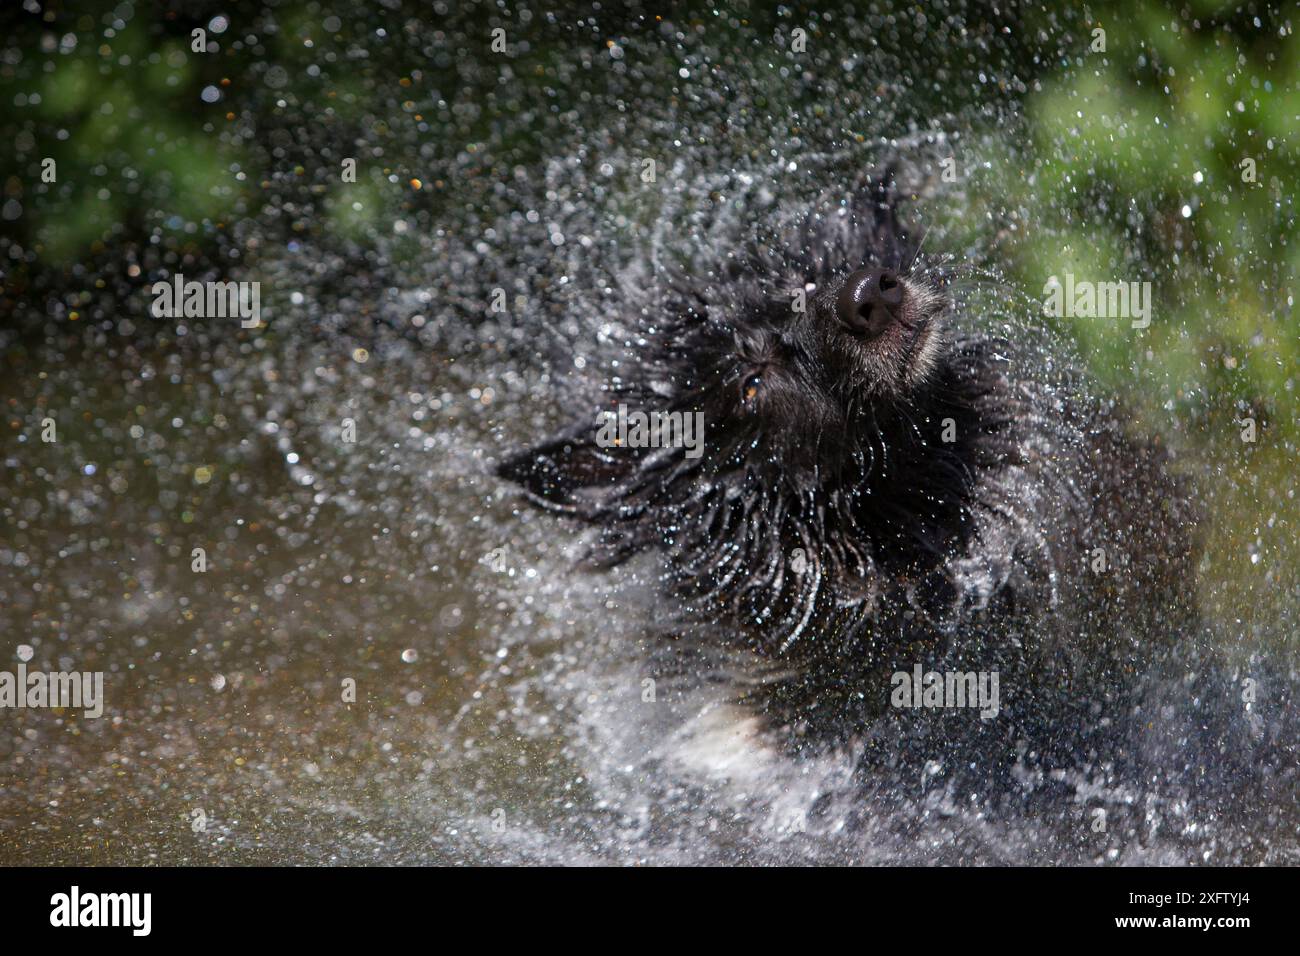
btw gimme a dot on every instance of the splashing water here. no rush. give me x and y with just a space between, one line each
389 659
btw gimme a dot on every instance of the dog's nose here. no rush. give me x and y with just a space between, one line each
869 301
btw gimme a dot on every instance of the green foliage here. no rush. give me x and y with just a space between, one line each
120 115
1138 173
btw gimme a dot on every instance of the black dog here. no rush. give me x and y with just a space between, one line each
899 468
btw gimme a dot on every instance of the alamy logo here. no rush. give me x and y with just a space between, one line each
208 300
624 429
103 909
1115 300
79 691
955 689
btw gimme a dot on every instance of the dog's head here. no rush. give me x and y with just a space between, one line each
816 360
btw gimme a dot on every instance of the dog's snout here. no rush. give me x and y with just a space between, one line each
869 301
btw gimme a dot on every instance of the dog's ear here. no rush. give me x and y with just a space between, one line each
569 473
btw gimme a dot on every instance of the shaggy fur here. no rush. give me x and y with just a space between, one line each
933 494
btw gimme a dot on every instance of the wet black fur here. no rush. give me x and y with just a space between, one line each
829 535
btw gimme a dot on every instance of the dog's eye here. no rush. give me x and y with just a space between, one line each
749 390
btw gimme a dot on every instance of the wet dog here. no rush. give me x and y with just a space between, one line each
901 471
